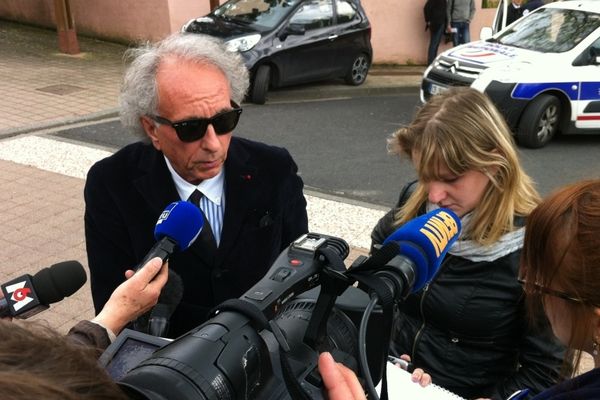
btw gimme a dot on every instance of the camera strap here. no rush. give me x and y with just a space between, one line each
365 274
334 281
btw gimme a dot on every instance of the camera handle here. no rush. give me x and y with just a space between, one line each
333 283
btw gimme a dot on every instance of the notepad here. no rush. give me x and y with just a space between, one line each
400 386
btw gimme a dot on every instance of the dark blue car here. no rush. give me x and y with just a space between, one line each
288 42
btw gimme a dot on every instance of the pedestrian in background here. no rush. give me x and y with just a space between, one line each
435 21
514 11
459 14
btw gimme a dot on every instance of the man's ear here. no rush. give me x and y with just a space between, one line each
150 128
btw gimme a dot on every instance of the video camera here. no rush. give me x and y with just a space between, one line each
265 345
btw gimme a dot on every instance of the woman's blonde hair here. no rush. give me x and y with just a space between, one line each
462 130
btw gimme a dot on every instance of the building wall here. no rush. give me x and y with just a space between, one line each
398 32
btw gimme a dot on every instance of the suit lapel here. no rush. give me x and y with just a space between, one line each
154 182
240 194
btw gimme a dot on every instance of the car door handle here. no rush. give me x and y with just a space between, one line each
332 37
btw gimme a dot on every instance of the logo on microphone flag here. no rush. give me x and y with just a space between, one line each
19 294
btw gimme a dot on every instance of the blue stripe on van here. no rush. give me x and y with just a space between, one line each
590 91
528 91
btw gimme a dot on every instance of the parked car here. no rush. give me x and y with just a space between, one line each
288 42
542 71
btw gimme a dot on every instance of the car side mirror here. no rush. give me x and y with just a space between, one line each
295 29
485 33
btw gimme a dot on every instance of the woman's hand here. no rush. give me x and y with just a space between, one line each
418 375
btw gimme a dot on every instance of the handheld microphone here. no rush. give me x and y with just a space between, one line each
28 295
176 229
169 299
422 245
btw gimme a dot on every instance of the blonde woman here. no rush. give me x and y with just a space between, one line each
468 328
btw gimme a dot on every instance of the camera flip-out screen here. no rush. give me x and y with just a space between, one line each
128 350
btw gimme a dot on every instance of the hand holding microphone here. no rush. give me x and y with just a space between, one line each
134 297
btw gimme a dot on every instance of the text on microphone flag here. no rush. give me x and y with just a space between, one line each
440 229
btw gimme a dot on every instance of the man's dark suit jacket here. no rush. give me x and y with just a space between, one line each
265 211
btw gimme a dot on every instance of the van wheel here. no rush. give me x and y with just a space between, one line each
260 87
358 71
539 122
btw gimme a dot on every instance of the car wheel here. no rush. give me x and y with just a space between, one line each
539 122
358 71
260 87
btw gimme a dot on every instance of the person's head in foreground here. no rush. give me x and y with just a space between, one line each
561 264
36 362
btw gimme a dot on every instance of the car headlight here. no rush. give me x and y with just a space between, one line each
243 43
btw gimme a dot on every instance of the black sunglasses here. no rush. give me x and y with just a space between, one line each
556 293
194 129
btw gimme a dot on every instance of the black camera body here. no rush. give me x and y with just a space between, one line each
232 356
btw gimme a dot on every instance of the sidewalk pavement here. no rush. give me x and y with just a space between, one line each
42 177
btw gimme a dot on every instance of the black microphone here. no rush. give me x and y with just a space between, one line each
169 299
28 295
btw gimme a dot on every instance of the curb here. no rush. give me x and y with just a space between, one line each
113 112
336 91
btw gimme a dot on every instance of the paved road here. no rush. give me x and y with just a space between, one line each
340 145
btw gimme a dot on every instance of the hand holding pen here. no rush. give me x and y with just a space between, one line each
417 374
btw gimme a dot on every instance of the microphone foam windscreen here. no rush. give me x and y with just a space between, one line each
181 221
58 281
425 240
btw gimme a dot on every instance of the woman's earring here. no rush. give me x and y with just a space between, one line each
595 347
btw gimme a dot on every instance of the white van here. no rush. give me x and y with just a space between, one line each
542 72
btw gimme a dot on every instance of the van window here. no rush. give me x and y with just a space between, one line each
551 30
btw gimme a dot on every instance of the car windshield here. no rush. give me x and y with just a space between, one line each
551 30
262 14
